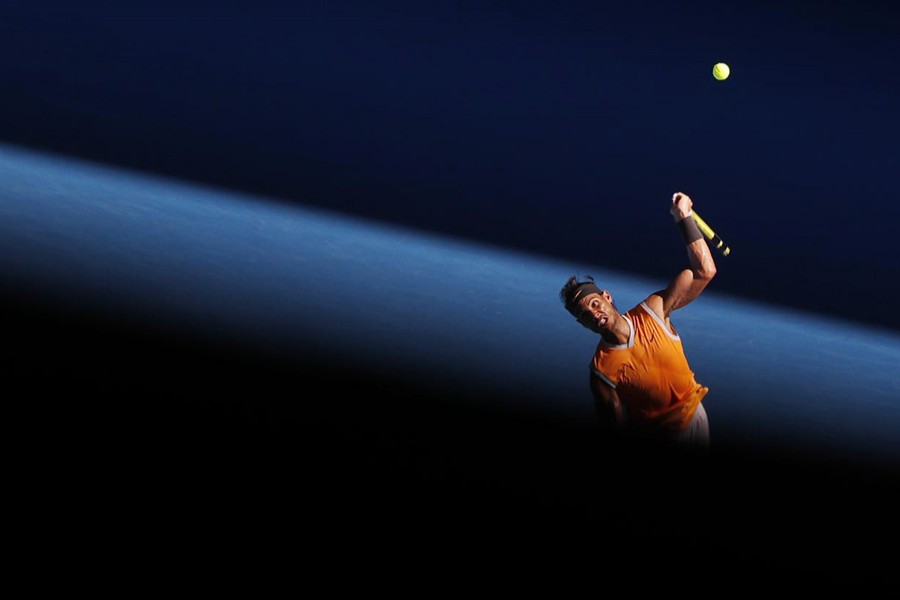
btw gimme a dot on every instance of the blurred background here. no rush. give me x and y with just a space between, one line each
316 243
560 128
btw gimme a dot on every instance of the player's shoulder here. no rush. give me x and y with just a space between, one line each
653 303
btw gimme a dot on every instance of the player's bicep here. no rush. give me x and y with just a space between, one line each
681 291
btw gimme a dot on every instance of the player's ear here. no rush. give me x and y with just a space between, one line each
609 298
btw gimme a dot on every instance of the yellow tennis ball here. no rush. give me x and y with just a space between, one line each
721 71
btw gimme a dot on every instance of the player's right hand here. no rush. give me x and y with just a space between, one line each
682 206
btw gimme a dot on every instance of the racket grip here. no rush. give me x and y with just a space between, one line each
711 235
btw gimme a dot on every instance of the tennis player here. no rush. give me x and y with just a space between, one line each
640 378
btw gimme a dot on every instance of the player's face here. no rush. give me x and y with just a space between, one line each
595 311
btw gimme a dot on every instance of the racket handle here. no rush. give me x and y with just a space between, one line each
711 235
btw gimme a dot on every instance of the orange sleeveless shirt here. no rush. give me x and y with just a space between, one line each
650 374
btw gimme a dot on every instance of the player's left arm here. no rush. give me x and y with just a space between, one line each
610 411
689 283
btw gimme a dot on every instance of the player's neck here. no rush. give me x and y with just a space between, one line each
619 333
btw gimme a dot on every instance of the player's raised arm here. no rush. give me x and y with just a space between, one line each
688 284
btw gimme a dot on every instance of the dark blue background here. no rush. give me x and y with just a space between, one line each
555 127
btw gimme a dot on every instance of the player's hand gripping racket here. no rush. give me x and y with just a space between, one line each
711 235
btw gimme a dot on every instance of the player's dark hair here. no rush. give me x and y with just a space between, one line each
569 291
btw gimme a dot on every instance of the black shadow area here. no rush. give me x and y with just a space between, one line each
155 446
